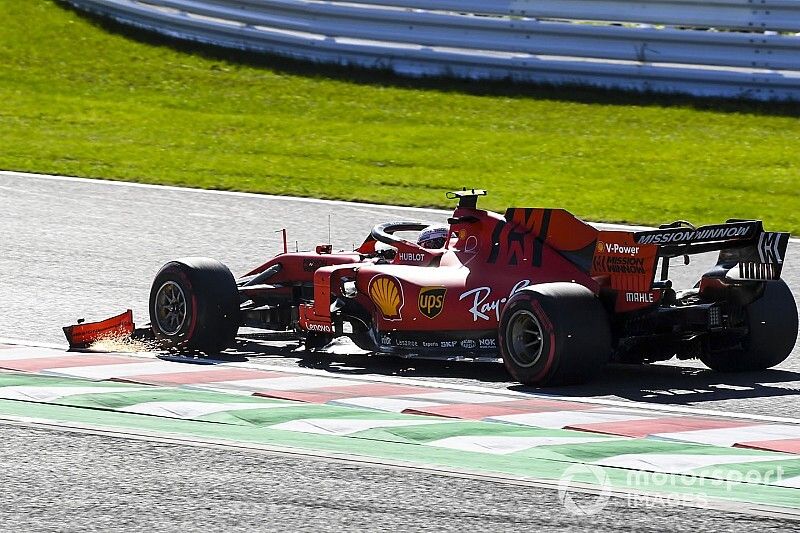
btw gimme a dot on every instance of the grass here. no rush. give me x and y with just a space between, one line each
89 99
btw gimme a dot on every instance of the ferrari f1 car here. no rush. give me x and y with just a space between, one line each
552 296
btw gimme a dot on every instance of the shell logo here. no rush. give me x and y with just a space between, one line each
599 248
387 294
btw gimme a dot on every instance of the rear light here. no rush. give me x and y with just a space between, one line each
714 317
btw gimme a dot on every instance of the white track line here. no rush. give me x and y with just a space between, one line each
346 426
378 403
791 482
289 383
452 397
45 394
184 409
513 395
62 346
123 370
505 478
32 352
680 462
560 419
103 181
501 445
731 436
399 403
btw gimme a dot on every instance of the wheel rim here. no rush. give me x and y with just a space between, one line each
170 307
524 342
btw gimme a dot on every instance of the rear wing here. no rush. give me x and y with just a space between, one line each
746 251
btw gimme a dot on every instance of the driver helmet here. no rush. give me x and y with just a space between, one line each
434 236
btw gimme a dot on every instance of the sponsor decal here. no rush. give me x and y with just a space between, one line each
426 344
408 256
431 301
769 250
324 328
448 344
468 344
600 247
386 340
490 344
708 233
407 343
615 248
310 265
471 246
481 304
535 220
387 294
639 297
512 247
618 265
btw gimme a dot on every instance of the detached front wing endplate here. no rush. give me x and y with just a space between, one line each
84 334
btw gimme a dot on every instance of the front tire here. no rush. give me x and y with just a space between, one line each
772 324
316 341
194 306
554 334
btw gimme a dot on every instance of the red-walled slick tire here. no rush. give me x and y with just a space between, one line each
554 334
772 332
194 306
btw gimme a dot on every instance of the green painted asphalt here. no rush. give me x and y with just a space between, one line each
408 444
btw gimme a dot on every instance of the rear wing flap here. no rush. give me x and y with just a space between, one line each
747 252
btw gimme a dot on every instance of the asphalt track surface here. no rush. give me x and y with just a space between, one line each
102 483
75 248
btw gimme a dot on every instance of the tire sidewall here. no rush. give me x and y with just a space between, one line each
772 323
772 320
212 300
576 334
176 273
546 365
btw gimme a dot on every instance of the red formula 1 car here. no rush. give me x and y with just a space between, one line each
551 295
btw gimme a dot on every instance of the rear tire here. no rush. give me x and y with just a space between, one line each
772 321
194 306
554 334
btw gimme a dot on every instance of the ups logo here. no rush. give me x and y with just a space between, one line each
431 301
